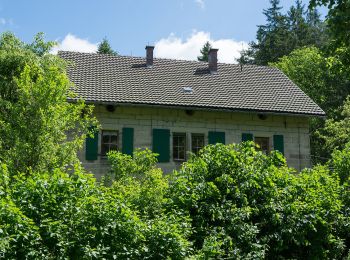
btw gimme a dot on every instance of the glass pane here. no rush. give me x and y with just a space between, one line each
182 141
182 155
114 139
105 139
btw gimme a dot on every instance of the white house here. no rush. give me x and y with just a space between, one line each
175 107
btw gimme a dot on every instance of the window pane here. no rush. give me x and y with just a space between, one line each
263 143
197 142
114 139
109 141
104 149
105 139
179 146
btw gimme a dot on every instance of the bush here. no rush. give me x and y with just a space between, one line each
228 202
244 204
58 215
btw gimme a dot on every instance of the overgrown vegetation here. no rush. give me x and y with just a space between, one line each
314 54
227 202
34 113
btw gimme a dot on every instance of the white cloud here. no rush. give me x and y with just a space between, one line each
176 48
6 22
200 3
3 21
74 43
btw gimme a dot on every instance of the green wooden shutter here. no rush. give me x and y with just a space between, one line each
216 137
161 144
247 137
91 146
128 141
278 143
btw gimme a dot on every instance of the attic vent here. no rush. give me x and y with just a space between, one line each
187 90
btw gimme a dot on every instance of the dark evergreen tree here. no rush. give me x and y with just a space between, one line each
284 33
272 38
297 25
204 52
105 48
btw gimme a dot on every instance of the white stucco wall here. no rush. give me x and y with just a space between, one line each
143 119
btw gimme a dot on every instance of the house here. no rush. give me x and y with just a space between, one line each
175 107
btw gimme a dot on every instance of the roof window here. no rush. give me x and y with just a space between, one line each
187 90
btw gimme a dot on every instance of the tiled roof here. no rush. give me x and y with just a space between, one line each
103 78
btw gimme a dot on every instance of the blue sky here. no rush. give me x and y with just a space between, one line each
177 27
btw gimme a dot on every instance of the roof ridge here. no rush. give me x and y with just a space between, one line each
163 59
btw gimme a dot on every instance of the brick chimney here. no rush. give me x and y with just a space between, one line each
149 56
213 60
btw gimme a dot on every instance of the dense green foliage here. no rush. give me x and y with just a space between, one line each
228 202
34 113
205 52
322 78
338 19
283 33
105 48
57 215
244 204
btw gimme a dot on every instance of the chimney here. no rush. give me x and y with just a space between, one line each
149 55
213 60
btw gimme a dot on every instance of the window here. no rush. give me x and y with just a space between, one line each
109 142
179 146
197 142
263 143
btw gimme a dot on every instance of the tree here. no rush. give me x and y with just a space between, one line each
309 69
321 79
272 38
337 19
336 133
205 52
105 48
283 33
246 205
35 116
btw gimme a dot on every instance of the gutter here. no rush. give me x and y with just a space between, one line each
203 108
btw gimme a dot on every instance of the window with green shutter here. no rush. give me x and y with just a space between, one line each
91 146
216 137
247 137
161 144
128 140
278 143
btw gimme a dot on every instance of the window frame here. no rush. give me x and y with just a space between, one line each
175 135
117 134
196 149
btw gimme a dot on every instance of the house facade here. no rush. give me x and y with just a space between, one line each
176 107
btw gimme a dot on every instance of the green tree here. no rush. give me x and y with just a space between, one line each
271 38
105 48
323 79
336 133
205 52
35 116
338 19
310 69
283 33
57 215
246 205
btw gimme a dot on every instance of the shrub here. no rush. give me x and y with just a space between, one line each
139 181
71 216
244 204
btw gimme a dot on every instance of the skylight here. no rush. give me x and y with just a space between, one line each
187 90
